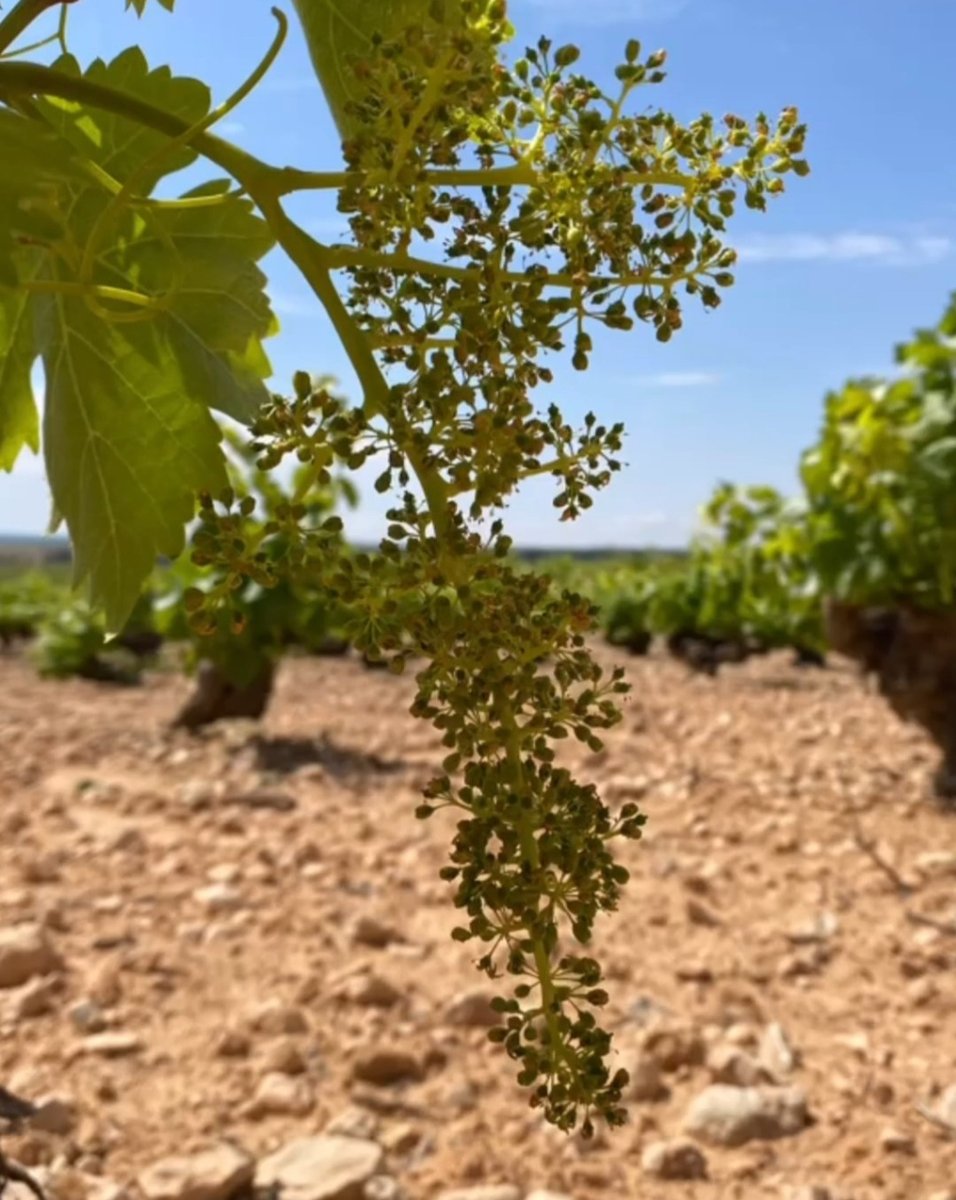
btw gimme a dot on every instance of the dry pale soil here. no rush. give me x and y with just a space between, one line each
242 938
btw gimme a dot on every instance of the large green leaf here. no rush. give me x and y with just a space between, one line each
19 424
128 435
127 448
37 166
115 143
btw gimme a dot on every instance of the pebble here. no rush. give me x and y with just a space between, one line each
946 1108
233 1044
114 1044
500 1191
472 1009
327 1167
87 1016
217 1173
285 1058
275 1018
540 1194
675 1046
356 1122
55 1114
730 1116
26 952
896 1141
810 1192
645 1078
701 914
383 1187
373 990
775 1053
370 931
281 1095
37 998
730 1064
219 898
384 1066
677 1159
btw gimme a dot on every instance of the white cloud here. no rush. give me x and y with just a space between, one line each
606 12
288 304
879 248
677 379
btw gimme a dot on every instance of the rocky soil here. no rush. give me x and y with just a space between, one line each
225 961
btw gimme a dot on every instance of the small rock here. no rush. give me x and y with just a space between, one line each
275 1018
36 998
328 1167
896 1141
401 1138
731 1116
281 1096
699 913
546 1195
775 1053
55 1114
818 929
263 799
677 1159
219 898
473 1008
729 1064
809 1193
115 1044
384 1066
218 1173
104 986
233 1044
373 990
355 1122
494 1191
645 1081
675 1046
383 1187
25 952
285 1058
370 931
88 1017
946 1108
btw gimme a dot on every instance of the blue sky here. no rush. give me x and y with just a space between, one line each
837 272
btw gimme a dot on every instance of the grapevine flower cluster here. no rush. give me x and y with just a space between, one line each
555 211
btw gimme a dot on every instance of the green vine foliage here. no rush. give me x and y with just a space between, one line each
879 481
498 214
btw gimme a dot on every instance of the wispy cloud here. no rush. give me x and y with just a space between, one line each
677 379
606 12
289 304
882 249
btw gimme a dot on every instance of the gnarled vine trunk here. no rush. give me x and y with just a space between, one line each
913 655
217 697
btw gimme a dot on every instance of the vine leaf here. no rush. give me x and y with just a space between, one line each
19 425
165 322
36 162
127 448
118 144
140 5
